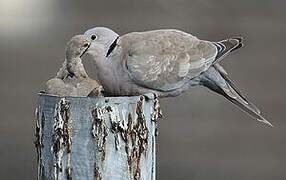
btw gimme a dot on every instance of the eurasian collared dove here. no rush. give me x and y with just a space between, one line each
165 62
72 79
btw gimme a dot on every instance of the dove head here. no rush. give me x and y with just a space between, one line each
101 39
77 46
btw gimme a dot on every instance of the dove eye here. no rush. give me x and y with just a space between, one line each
93 37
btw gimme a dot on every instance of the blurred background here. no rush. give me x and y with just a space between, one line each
202 136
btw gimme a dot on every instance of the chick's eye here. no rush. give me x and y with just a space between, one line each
85 45
93 37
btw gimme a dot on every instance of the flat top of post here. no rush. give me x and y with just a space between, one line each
149 96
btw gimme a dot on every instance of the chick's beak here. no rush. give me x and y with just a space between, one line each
85 50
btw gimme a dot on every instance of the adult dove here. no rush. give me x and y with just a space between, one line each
166 62
72 79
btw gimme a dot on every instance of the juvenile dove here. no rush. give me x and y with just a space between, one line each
72 79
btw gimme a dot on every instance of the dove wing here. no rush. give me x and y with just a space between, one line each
165 60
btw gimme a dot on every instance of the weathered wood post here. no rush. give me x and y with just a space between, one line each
96 138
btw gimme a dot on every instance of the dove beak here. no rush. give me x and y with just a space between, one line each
85 50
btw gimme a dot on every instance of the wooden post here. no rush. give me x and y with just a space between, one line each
96 138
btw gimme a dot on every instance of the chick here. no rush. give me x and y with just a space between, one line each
72 79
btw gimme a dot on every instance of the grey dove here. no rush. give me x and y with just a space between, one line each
166 62
72 79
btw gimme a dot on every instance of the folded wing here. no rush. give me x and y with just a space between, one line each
165 60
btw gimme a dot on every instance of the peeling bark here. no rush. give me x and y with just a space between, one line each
39 141
61 138
99 129
69 172
115 125
96 138
157 113
97 174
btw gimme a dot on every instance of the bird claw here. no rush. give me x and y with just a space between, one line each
150 96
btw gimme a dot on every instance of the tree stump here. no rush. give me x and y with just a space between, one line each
96 138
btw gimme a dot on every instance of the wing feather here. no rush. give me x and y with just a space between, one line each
165 60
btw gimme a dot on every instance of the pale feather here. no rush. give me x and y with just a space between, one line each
165 60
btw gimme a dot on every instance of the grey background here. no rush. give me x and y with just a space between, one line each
202 135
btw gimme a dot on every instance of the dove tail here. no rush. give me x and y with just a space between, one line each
218 81
224 47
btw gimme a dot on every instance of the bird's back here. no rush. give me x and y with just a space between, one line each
165 60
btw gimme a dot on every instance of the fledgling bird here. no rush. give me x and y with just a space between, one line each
72 79
166 62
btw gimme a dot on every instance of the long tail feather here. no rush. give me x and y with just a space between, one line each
218 81
229 81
